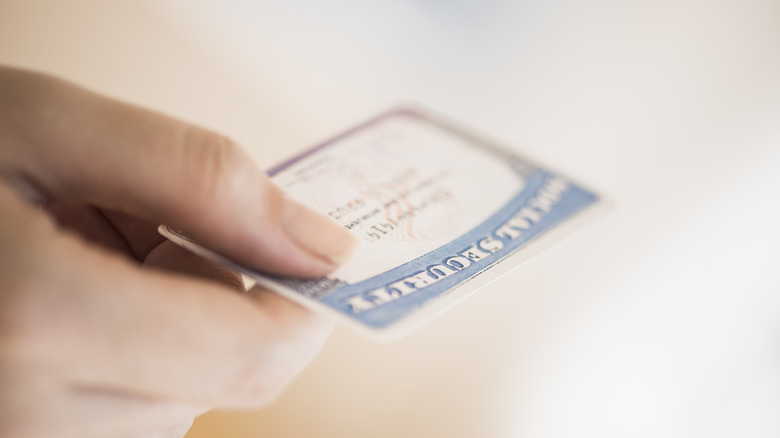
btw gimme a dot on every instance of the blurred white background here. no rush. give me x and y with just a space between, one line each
661 318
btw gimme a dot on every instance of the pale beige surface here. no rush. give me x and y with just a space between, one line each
661 319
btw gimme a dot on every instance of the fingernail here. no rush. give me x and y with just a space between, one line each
316 233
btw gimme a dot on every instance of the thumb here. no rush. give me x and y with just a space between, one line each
74 145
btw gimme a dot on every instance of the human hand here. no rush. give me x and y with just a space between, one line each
106 328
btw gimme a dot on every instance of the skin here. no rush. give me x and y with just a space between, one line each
106 328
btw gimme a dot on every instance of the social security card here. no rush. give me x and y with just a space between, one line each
439 212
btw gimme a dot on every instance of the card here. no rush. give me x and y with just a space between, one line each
439 213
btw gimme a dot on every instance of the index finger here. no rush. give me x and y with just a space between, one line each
98 320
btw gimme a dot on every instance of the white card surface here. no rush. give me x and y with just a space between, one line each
439 212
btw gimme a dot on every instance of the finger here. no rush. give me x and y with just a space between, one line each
189 340
156 334
75 145
174 258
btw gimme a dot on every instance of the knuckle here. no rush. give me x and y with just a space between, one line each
275 361
219 168
259 382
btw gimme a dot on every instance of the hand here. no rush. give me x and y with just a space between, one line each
106 328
